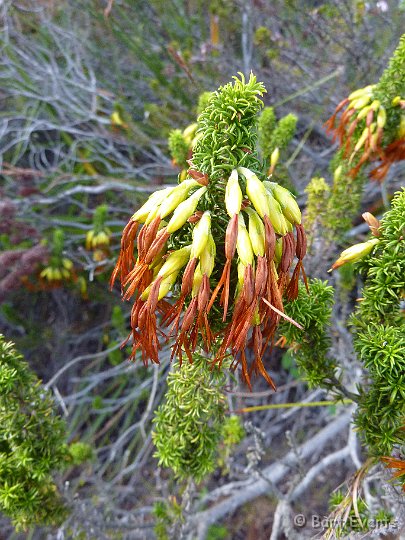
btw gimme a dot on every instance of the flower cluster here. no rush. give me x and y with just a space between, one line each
224 244
372 124
59 269
98 237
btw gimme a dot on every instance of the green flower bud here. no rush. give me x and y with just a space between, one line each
184 210
233 194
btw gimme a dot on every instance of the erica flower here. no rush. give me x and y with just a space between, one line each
360 132
213 255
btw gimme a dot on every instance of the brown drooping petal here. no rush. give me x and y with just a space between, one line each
126 256
231 236
173 315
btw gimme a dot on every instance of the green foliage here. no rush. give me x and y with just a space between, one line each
345 197
203 100
310 347
81 452
318 194
32 445
229 140
217 532
273 134
379 336
266 124
178 148
166 514
189 424
232 431
283 132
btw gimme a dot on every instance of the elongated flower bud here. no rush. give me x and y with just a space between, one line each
197 280
256 192
243 244
175 261
287 202
152 203
276 215
256 232
233 194
184 210
189 132
200 234
355 253
207 257
381 117
337 173
361 102
278 252
164 287
361 92
177 196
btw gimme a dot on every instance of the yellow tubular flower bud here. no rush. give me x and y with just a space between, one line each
396 101
201 233
256 192
67 263
151 204
207 257
175 262
288 204
361 102
256 232
243 244
164 287
276 216
361 92
184 210
364 112
189 132
381 117
337 173
279 250
360 142
401 129
177 196
375 105
196 139
233 194
274 158
256 317
197 280
89 239
57 274
355 253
